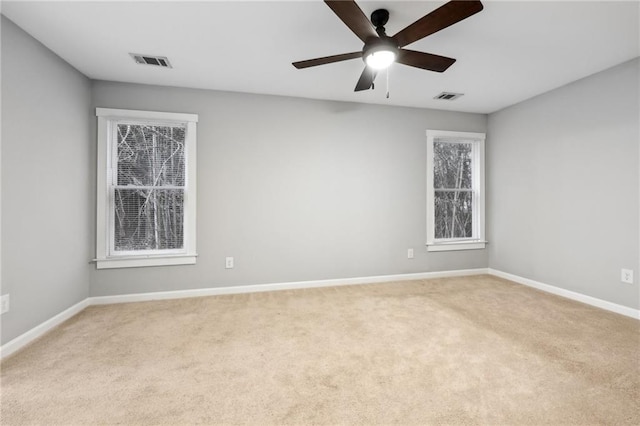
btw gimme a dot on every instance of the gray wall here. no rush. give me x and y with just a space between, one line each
46 210
297 189
562 173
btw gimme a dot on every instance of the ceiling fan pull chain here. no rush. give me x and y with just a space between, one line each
388 82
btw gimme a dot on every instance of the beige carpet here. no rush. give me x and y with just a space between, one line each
473 350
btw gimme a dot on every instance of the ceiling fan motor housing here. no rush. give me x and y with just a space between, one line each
379 18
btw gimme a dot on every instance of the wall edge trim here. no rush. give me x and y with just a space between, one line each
41 329
256 288
568 294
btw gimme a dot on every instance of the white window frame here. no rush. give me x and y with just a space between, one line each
106 257
477 241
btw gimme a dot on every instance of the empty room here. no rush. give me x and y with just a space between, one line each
320 212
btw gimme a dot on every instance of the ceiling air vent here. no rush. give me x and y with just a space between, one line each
158 61
448 96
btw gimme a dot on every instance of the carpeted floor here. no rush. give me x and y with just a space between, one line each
470 350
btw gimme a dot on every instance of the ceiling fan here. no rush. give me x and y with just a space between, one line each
380 50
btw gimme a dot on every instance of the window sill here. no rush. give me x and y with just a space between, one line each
142 261
456 245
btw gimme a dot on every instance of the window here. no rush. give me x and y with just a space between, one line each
455 190
146 202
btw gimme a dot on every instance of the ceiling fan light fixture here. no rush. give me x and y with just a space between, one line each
380 53
380 59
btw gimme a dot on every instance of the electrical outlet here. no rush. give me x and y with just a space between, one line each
409 253
626 276
228 263
4 304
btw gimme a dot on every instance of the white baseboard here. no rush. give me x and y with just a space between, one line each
599 303
215 291
39 330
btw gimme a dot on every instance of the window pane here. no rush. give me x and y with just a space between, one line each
453 214
149 219
151 155
452 165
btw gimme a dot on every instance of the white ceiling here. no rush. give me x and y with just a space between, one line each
507 53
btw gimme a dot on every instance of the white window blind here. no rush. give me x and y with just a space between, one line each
454 195
148 185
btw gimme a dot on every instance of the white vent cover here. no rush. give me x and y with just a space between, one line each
448 96
157 61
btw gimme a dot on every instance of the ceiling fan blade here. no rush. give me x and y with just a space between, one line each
366 79
326 60
426 61
354 18
442 17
